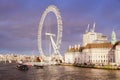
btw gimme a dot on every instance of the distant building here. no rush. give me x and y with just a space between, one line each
97 52
14 58
113 37
71 54
93 37
114 54
117 53
96 49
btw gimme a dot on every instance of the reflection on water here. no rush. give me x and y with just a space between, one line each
58 73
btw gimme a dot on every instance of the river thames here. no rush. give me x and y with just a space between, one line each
9 72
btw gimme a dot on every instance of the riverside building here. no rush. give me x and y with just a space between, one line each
96 49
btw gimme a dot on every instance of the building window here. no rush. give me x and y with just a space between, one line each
89 56
96 60
104 56
89 60
104 60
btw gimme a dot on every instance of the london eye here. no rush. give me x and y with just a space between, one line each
55 43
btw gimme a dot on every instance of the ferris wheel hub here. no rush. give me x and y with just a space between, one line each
49 34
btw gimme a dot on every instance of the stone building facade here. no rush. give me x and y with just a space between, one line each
96 50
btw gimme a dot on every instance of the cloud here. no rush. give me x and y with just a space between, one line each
19 20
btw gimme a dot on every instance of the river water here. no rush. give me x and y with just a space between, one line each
9 72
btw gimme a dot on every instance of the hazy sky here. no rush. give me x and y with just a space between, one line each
19 21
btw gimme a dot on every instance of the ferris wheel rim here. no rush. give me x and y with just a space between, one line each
55 10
